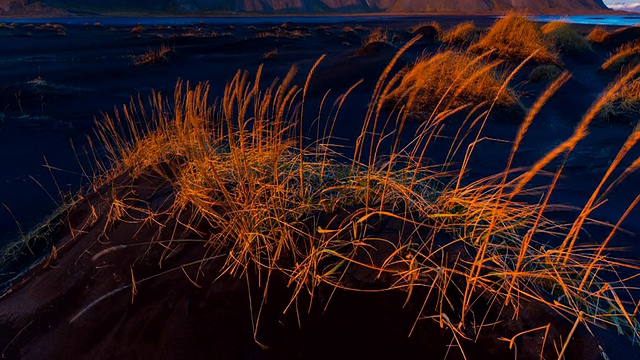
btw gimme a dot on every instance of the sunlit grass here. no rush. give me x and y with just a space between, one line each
514 37
268 200
464 33
598 34
448 80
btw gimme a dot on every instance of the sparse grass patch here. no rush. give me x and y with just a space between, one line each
450 79
565 38
377 35
462 34
153 56
514 37
626 55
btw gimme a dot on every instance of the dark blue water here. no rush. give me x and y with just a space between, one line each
606 20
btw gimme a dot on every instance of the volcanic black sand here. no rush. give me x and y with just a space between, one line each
55 80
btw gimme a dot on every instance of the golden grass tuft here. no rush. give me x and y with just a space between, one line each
513 37
598 34
462 34
565 38
451 79
625 55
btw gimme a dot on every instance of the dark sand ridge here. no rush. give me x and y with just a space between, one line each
185 307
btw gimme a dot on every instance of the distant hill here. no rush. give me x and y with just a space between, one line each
312 6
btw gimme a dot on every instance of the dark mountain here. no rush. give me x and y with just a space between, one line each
313 6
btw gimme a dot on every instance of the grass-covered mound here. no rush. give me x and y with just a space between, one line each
513 37
264 200
464 33
449 80
627 55
565 38
206 192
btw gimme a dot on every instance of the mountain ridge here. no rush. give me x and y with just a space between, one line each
309 6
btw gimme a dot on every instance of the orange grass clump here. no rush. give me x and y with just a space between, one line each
244 169
448 80
462 34
514 37
598 34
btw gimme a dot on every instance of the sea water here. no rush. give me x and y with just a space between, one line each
605 20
